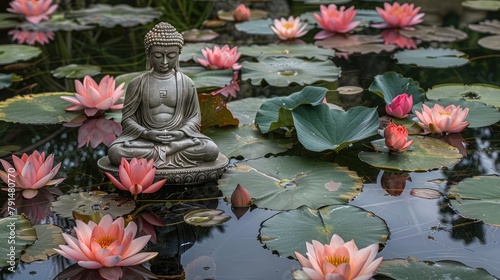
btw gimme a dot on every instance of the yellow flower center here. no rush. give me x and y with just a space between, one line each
444 113
337 260
397 11
288 25
105 240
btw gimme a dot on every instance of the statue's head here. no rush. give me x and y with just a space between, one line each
163 42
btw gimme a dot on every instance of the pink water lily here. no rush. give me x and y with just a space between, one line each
241 13
288 29
136 176
97 131
396 137
106 246
31 37
339 260
400 106
220 58
30 173
334 20
93 97
34 10
399 16
441 120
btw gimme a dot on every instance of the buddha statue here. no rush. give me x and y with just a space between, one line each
161 114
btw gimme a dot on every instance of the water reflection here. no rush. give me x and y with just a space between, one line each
37 209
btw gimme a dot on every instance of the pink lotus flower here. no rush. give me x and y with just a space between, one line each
97 131
400 106
106 246
289 29
396 137
34 10
399 16
31 37
441 120
242 13
136 177
392 36
339 260
220 58
92 97
333 20
30 173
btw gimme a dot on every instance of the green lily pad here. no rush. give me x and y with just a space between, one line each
43 108
206 217
246 109
424 154
13 53
487 26
490 42
110 16
435 33
488 94
246 141
8 20
413 269
281 72
284 183
488 5
204 78
477 198
214 112
362 44
306 51
277 112
289 231
391 84
23 234
76 71
5 80
256 27
320 128
432 57
191 51
197 35
479 115
49 237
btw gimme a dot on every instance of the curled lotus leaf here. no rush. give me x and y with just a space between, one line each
490 42
110 16
307 51
435 33
487 26
14 53
362 44
391 84
432 57
206 217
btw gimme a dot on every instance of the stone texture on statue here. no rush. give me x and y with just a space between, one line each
161 118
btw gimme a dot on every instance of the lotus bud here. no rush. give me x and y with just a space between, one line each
240 197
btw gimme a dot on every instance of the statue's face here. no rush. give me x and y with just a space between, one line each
163 59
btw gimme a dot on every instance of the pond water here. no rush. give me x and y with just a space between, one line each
421 225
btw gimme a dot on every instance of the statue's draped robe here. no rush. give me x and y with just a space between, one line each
136 119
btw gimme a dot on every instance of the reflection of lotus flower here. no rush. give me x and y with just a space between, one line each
241 197
31 172
396 137
145 224
439 120
136 177
394 183
242 13
31 37
97 131
333 20
392 36
399 16
93 97
106 246
289 29
339 260
220 58
400 106
34 10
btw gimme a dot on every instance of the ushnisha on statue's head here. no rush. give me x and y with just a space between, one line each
162 36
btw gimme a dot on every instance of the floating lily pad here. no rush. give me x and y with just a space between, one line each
435 33
76 71
490 42
206 217
49 237
13 53
254 14
23 234
214 112
424 154
281 72
480 114
477 198
196 35
256 27
307 51
111 16
320 128
487 26
413 269
488 94
43 108
276 112
283 183
246 109
391 84
204 78
432 58
362 44
191 51
487 5
289 231
247 141
90 204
